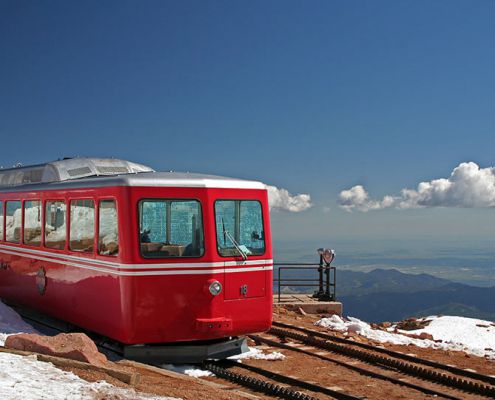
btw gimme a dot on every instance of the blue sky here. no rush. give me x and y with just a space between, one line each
314 97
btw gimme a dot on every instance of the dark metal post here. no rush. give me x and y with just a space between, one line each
334 284
320 291
327 289
326 258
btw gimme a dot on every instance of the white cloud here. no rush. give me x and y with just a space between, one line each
281 199
468 186
357 198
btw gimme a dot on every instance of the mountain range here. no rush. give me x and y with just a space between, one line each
390 295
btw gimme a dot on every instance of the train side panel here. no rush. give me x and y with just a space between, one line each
68 285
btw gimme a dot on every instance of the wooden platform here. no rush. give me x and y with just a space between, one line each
308 304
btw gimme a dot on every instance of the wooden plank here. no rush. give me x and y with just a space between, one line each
126 377
187 378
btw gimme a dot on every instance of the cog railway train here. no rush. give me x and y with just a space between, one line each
172 266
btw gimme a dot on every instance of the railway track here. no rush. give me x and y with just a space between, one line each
281 386
272 384
384 360
285 386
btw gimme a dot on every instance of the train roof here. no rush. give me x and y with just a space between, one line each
100 172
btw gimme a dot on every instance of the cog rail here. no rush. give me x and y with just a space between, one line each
457 371
272 389
412 368
352 367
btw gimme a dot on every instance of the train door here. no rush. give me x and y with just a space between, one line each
240 240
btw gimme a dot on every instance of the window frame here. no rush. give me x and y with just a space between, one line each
172 199
2 233
68 235
97 227
42 219
21 233
66 241
262 223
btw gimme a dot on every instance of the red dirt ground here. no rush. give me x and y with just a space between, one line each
302 366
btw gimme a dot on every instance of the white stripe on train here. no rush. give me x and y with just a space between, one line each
111 264
205 270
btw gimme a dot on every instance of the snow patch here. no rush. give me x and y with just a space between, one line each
473 336
189 370
252 354
24 378
257 354
11 322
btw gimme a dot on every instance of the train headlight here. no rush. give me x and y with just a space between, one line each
215 288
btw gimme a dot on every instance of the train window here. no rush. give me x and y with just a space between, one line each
171 228
55 227
32 223
13 221
239 226
82 225
1 220
108 233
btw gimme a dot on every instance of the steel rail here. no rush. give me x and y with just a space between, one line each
355 368
256 384
298 382
405 367
214 367
455 370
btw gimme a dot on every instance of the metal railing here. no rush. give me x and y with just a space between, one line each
325 279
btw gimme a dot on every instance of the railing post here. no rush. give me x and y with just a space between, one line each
327 289
320 291
334 283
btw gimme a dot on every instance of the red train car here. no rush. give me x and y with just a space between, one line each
174 266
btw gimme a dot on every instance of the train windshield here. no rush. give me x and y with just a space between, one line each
239 226
171 228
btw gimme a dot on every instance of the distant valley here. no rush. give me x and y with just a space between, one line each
390 295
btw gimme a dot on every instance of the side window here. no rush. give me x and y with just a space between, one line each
1 220
171 228
14 221
32 223
82 225
55 227
108 229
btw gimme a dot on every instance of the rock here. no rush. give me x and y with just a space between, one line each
412 324
427 336
386 324
422 336
75 346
